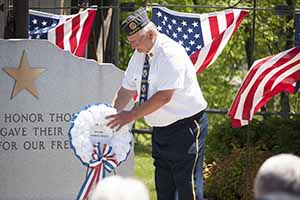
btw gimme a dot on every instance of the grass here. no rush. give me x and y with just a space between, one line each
143 168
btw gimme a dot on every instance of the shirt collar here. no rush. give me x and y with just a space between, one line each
153 50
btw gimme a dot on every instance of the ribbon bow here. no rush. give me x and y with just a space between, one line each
103 161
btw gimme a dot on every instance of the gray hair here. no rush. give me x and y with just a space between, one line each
149 27
278 174
279 196
120 188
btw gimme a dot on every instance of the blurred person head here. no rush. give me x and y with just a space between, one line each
278 178
120 188
279 196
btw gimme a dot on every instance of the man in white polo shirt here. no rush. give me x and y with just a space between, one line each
171 102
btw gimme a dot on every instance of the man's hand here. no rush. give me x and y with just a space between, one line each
156 101
118 120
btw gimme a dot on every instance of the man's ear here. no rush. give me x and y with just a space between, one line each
151 34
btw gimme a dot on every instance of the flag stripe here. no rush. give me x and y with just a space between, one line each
229 19
75 27
263 76
266 78
256 91
281 77
68 32
245 84
59 36
241 15
83 18
85 33
227 34
219 43
258 76
215 49
286 84
205 25
211 53
214 30
222 23
52 36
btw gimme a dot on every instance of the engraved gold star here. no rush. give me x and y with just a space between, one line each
24 76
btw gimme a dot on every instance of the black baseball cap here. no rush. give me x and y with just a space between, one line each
135 21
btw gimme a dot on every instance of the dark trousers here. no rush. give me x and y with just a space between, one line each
178 151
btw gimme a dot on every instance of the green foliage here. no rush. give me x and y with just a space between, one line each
143 168
236 154
273 134
232 178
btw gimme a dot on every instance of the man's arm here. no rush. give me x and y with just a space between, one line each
155 102
122 98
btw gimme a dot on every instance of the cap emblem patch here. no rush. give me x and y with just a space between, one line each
132 25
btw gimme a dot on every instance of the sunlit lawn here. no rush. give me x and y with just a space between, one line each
144 163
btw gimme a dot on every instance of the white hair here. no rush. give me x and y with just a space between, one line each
279 196
278 174
149 27
120 188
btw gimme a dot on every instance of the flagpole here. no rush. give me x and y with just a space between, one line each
115 32
20 10
250 62
252 36
284 96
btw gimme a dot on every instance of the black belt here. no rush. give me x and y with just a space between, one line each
182 121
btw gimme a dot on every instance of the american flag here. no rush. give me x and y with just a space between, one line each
297 26
69 32
203 36
266 78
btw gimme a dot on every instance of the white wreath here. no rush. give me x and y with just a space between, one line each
88 128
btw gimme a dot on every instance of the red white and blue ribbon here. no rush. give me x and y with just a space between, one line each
88 130
103 161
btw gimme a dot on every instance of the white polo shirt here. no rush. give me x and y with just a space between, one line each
170 68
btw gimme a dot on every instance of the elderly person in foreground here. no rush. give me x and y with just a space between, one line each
120 188
278 178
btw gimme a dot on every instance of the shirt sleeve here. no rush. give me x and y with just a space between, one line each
129 81
172 73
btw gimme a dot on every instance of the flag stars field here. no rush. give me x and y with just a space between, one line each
159 14
187 29
44 23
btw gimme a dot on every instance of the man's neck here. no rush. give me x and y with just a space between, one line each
152 42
